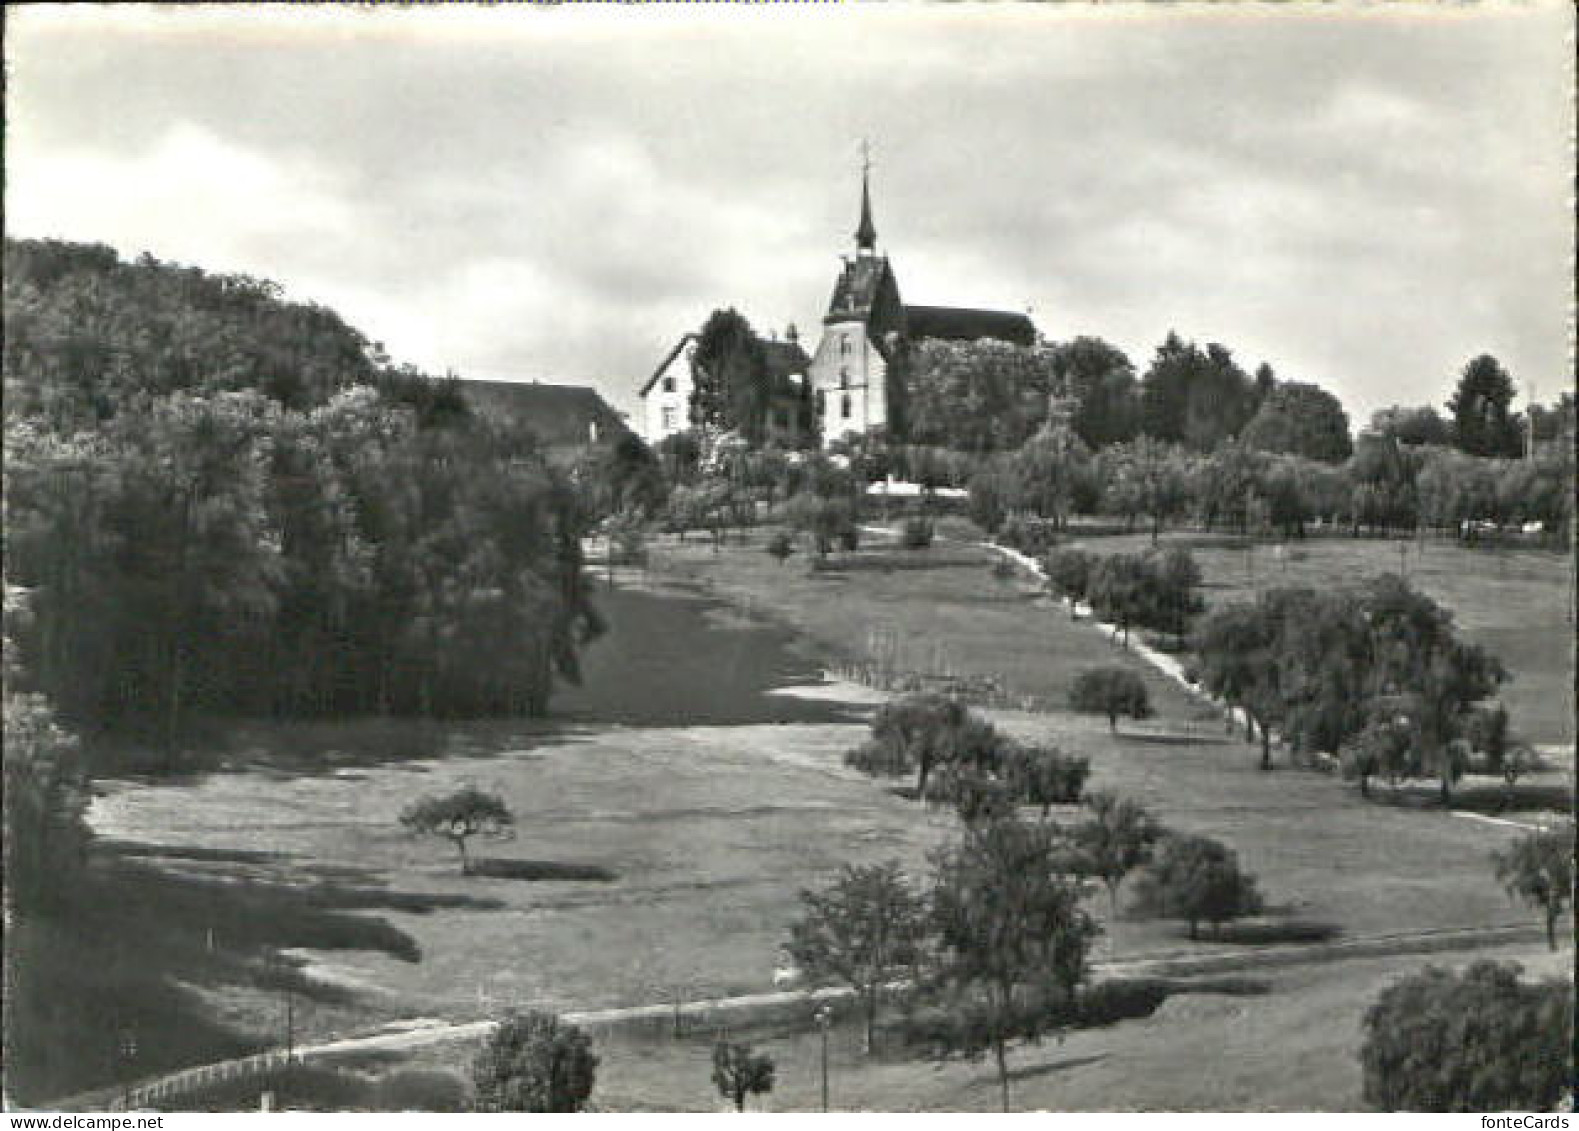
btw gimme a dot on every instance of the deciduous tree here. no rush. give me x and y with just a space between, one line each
534 1061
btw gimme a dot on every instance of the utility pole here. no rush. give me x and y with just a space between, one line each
824 1020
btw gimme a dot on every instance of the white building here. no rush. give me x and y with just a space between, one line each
666 397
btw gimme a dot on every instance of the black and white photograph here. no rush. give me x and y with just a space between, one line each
853 557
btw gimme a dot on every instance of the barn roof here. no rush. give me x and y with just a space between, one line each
560 415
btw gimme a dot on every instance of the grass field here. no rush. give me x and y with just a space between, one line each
710 801
1515 602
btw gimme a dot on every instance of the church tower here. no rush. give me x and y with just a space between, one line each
862 335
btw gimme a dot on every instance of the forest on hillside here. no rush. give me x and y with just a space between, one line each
219 502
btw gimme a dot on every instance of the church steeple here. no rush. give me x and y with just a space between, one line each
866 234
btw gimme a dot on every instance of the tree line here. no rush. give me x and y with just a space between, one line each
219 502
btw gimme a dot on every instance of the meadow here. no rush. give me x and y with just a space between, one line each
668 815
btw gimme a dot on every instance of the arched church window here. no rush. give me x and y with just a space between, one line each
844 406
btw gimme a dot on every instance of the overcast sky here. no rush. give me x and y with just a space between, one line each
1364 197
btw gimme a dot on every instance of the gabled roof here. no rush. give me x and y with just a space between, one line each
560 415
962 324
668 359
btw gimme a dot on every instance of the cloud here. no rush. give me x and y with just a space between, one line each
1363 196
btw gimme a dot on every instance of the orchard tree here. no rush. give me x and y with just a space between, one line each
1482 424
1044 776
1195 397
1115 840
1069 574
860 931
459 816
1010 927
1414 426
1302 420
739 1071
534 1061
922 732
1480 1040
1196 878
1237 660
1538 870
1102 380
1384 748
1112 692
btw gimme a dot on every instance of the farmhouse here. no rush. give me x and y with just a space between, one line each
666 397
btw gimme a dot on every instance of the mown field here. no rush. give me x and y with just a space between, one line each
668 817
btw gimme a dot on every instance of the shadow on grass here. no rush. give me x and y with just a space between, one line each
1270 934
1038 1070
1174 739
496 869
137 950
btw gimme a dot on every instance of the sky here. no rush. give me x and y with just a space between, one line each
1364 196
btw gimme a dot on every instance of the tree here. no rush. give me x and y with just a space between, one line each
732 385
1147 477
1538 870
1009 925
1116 839
46 805
859 931
1196 878
1111 692
739 1071
1237 655
534 1061
1480 1040
1303 420
459 816
923 732
1194 397
1069 574
1437 676
1482 425
981 396
1383 749
1102 380
1413 426
781 545
1044 776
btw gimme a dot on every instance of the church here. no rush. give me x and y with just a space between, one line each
857 375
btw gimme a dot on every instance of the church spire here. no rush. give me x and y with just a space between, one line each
866 234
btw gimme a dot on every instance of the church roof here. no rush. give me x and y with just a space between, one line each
857 287
962 324
560 415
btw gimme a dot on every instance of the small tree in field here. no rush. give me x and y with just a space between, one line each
459 816
1044 776
1111 692
1117 839
1010 927
1538 870
860 931
780 546
1195 878
534 1062
921 733
1069 575
739 1071
1482 1040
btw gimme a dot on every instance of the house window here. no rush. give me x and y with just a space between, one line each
780 421
844 347
844 378
668 384
822 402
669 418
844 406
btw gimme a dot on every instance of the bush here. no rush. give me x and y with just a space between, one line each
781 545
740 1071
1195 878
917 533
1112 692
1478 1041
1031 536
533 1061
